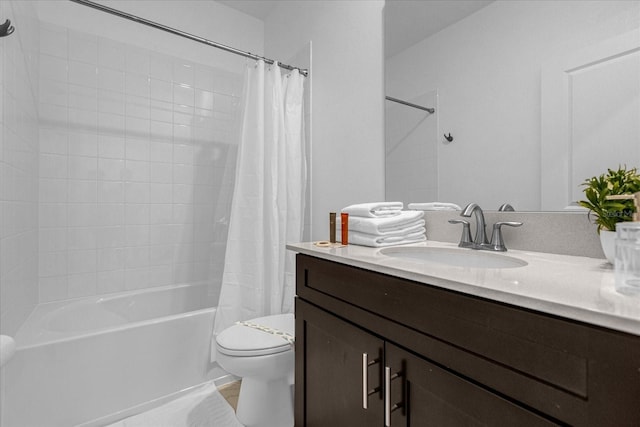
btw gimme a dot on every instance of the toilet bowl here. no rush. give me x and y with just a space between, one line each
255 351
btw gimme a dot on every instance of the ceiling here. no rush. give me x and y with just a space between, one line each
409 21
257 8
406 21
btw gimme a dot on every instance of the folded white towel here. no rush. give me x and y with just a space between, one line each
435 206
364 239
375 209
409 228
380 226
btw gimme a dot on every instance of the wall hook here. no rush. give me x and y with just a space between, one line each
449 138
6 28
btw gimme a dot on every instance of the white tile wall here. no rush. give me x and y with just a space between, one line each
134 164
18 167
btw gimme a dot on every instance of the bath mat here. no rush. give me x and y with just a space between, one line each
204 407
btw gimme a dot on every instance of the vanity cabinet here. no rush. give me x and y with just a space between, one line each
333 371
376 350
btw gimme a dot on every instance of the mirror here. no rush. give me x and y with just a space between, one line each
535 97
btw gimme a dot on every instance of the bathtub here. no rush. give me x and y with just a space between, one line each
88 360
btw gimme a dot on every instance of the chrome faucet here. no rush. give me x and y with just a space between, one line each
481 235
480 241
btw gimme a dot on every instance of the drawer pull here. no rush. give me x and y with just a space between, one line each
388 408
365 380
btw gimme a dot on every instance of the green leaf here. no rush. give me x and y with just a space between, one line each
608 213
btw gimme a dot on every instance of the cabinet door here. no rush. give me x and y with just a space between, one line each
333 379
424 394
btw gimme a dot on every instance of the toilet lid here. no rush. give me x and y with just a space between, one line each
241 340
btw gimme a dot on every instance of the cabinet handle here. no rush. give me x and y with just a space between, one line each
365 380
388 409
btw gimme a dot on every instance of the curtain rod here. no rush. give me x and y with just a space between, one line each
158 26
419 107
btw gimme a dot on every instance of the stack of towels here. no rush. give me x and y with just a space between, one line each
435 206
384 224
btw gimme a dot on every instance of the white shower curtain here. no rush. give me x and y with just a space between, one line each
268 200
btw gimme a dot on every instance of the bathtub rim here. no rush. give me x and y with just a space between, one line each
219 377
33 332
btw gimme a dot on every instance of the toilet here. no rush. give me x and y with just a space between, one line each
256 351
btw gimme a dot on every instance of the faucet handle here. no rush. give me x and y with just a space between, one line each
465 239
497 242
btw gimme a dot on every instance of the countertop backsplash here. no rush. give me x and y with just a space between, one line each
565 233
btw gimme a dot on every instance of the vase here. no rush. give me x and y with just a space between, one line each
608 242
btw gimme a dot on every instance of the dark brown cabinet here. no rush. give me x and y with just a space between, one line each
334 360
424 394
376 350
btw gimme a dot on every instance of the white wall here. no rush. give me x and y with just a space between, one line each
411 147
486 69
347 147
18 166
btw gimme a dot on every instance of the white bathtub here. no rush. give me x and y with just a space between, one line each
93 358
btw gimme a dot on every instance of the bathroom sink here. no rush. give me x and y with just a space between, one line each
454 257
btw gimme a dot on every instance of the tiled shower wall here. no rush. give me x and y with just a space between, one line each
18 167
137 159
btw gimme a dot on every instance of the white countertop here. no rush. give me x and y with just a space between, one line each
577 288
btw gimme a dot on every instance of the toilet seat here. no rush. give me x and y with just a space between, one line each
241 340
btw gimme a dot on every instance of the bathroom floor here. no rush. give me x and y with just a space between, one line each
231 392
206 406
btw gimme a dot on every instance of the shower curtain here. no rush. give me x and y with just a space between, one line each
268 200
